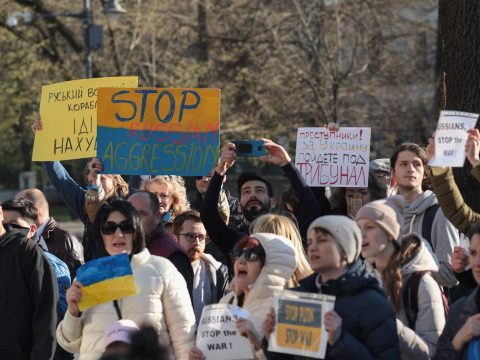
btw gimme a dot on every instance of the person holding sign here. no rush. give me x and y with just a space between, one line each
162 298
263 264
75 196
362 324
451 200
401 262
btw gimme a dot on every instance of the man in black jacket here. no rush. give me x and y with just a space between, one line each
255 196
28 303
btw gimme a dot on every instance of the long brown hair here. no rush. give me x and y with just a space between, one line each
392 274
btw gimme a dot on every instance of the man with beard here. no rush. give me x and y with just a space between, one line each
210 281
255 196
158 241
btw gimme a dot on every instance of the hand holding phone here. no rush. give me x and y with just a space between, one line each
249 148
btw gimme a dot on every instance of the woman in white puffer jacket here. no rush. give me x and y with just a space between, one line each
162 299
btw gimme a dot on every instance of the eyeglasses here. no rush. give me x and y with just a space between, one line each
109 227
191 237
251 254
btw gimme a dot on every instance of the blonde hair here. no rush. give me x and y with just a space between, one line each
282 225
176 189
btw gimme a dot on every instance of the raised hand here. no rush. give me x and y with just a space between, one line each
37 123
472 147
277 155
227 159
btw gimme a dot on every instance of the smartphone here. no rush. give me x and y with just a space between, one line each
249 148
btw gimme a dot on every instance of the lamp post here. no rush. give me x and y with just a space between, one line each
93 34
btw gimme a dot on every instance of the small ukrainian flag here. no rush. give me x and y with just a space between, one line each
106 279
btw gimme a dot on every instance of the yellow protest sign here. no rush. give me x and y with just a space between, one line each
69 115
299 324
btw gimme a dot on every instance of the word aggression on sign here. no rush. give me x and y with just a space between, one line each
158 131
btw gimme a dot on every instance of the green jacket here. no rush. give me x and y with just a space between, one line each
451 200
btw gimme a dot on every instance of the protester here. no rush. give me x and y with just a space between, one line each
263 264
75 196
256 196
421 211
158 241
21 214
227 204
283 226
162 298
60 242
362 324
210 281
453 204
29 298
463 321
401 261
171 193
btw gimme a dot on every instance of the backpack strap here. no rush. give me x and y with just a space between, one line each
427 222
410 297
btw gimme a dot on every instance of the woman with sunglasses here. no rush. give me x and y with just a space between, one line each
162 299
263 263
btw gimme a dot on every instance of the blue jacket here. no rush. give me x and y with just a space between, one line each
74 196
368 321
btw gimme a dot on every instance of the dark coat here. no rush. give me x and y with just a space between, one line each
458 314
64 245
161 243
368 321
28 314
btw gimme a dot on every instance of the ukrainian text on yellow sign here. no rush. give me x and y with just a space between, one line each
69 115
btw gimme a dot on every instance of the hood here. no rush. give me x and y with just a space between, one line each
211 260
12 235
424 260
414 209
280 263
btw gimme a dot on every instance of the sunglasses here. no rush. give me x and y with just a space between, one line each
251 254
109 227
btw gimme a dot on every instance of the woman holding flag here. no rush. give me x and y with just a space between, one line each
162 298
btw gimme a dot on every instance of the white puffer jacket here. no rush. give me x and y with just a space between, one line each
162 301
280 263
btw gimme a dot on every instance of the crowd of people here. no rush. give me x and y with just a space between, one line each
404 286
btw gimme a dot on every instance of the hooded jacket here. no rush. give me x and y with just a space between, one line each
444 236
218 276
368 320
458 314
280 263
162 301
421 343
28 305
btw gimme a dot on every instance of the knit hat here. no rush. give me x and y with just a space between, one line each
120 330
384 215
344 230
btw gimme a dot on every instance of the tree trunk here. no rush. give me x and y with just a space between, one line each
460 39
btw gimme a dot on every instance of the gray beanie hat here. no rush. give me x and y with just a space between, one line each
344 230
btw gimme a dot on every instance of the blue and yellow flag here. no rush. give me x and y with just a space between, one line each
106 279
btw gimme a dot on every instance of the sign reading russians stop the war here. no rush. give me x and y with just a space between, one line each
152 131
333 158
